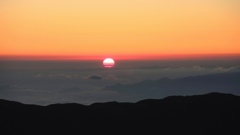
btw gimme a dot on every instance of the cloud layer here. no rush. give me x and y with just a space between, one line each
86 83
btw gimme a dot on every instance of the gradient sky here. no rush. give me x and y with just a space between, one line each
119 27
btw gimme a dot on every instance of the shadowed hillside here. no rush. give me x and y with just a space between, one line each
227 82
212 113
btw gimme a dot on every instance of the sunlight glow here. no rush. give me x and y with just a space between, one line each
131 29
108 63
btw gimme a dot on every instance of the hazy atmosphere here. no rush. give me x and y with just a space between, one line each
119 67
52 51
114 28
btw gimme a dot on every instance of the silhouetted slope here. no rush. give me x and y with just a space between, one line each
213 113
191 85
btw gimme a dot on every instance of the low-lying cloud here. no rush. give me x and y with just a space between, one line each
95 77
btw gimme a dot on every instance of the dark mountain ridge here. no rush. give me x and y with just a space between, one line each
190 85
213 113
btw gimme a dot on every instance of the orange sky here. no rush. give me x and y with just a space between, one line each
106 28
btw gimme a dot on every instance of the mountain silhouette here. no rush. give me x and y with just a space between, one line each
227 82
208 114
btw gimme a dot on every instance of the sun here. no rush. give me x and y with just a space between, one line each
108 63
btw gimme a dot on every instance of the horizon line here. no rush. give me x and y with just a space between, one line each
123 57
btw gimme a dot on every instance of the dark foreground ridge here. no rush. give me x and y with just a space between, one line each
212 114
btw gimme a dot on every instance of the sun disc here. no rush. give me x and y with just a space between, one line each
108 63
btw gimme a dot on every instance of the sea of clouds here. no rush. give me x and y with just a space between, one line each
87 82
